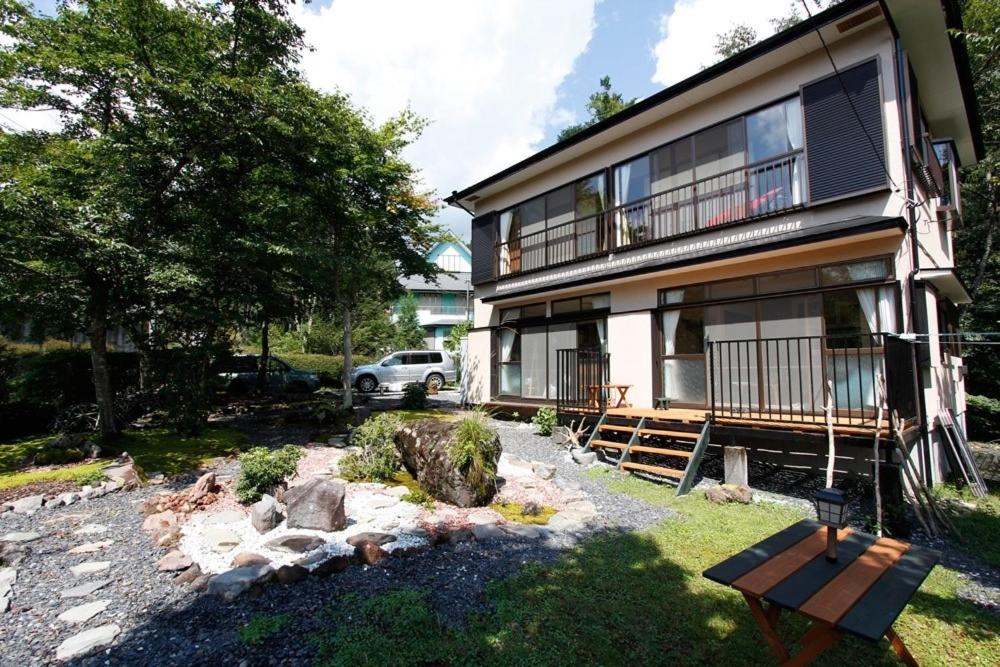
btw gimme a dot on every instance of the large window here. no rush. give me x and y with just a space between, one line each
774 145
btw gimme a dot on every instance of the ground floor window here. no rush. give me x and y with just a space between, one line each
526 354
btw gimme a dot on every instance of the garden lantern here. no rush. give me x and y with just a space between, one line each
831 511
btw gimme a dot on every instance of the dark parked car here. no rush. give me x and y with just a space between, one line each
239 375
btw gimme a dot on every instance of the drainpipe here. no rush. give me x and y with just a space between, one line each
903 90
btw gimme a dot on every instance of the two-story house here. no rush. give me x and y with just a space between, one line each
443 303
745 247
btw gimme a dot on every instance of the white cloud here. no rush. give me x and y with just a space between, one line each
484 73
17 120
688 32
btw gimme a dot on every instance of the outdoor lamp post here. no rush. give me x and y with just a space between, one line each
831 511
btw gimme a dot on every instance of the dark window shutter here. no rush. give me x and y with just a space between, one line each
841 157
484 232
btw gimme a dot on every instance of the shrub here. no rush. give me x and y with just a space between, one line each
262 627
545 420
92 478
59 455
418 497
475 450
982 417
261 469
377 460
414 397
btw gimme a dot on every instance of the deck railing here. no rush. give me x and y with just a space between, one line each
731 196
786 379
580 376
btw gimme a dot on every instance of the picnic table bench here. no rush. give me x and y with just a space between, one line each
862 593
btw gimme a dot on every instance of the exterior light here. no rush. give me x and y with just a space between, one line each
831 511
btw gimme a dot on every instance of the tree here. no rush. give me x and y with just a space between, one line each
409 333
453 342
734 40
602 105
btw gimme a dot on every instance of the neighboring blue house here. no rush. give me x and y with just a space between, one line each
443 305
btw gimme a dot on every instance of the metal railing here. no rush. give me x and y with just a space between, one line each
786 379
580 379
731 196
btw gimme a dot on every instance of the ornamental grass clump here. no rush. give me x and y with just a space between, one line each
262 469
475 451
377 460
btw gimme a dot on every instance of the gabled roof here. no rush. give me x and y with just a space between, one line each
441 246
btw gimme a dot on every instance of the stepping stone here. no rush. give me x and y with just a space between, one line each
526 531
90 529
296 544
488 531
8 576
83 590
91 567
220 539
373 538
28 505
91 547
229 585
87 641
229 516
21 537
173 562
84 612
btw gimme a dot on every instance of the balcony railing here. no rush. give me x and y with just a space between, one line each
732 196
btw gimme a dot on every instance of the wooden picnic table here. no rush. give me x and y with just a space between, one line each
862 593
622 391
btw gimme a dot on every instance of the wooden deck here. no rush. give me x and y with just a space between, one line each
843 425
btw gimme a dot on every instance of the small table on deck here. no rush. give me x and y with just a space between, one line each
862 594
622 391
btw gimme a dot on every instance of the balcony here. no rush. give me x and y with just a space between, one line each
730 197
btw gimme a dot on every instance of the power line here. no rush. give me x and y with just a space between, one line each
11 120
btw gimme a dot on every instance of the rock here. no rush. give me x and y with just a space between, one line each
371 553
222 518
461 535
265 514
90 529
160 521
169 537
322 564
205 486
83 590
87 641
28 505
21 537
68 498
84 612
245 558
8 576
220 540
318 505
583 507
289 574
375 538
13 553
543 470
127 473
91 567
230 585
296 544
566 523
727 493
398 491
189 575
488 531
173 562
584 458
524 530
91 547
425 447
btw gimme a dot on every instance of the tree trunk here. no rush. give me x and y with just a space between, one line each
106 421
265 356
348 360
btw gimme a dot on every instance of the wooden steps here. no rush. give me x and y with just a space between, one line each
655 470
676 435
641 449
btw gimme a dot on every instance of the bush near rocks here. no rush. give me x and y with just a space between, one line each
545 420
377 460
262 469
414 397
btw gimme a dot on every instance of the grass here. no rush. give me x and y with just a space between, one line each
639 598
515 512
262 627
980 528
155 450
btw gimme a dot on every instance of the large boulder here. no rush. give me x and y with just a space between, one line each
425 447
125 471
265 514
316 505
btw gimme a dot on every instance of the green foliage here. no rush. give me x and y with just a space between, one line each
734 40
409 334
519 513
982 417
418 497
92 478
59 456
476 450
453 343
261 469
602 105
978 526
262 627
545 419
378 459
414 396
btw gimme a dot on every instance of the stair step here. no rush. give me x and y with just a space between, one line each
641 449
656 470
677 435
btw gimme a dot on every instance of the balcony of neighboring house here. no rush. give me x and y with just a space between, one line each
746 168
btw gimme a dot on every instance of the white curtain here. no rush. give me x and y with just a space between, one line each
887 309
506 343
621 195
602 334
505 221
867 300
793 127
670 319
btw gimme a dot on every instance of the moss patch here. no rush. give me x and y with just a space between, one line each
515 512
417 415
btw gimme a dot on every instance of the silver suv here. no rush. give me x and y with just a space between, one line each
429 367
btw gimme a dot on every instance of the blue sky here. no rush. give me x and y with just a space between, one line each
498 79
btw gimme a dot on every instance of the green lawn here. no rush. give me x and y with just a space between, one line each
639 598
155 450
980 528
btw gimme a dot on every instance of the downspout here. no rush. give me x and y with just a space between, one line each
903 89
